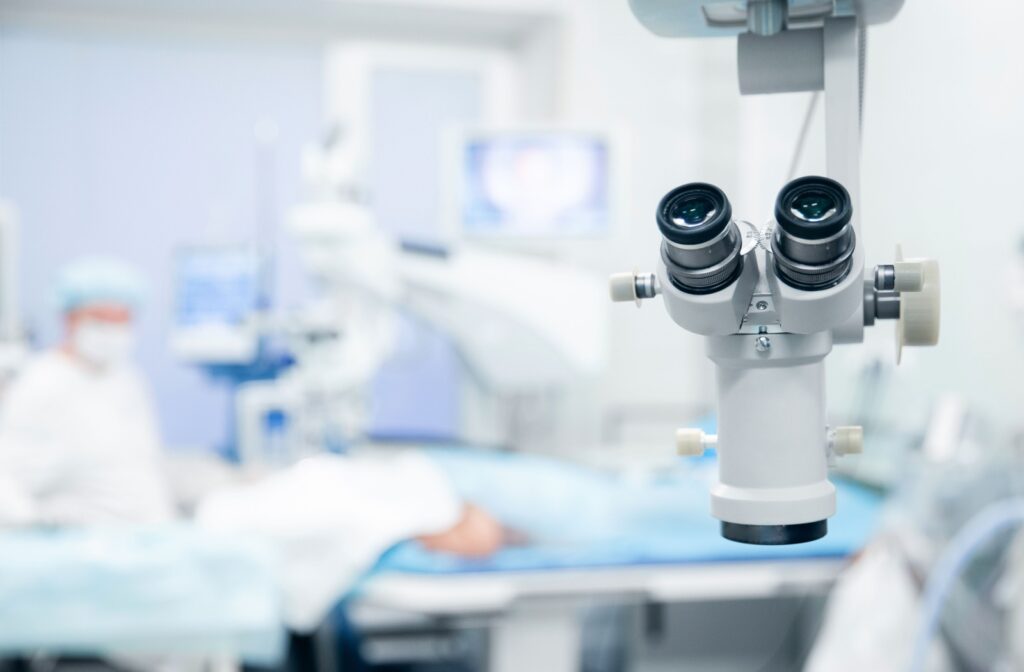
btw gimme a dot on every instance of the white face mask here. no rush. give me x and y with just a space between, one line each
103 343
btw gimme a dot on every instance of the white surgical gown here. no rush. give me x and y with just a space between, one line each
330 518
79 446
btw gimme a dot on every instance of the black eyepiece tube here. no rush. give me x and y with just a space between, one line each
701 247
813 243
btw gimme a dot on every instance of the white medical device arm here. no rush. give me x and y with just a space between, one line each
499 308
521 323
772 303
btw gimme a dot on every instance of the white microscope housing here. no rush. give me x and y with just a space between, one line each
717 18
771 303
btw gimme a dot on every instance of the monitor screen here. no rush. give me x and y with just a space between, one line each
549 184
217 285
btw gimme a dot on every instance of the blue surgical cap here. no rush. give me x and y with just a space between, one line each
99 281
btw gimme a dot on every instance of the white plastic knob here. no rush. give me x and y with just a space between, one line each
692 442
920 309
909 276
622 287
848 440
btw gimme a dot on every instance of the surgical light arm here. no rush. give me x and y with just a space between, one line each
772 303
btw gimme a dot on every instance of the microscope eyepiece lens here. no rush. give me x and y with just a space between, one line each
692 211
702 246
813 241
813 206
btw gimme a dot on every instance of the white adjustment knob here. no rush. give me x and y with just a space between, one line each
622 287
693 442
633 286
919 284
847 440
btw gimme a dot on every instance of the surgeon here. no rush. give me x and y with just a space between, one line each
78 435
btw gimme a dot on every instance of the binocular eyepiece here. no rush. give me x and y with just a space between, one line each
702 244
813 241
812 245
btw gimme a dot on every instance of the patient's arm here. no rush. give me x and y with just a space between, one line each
476 534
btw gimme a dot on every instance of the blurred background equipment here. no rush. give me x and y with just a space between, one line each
219 301
503 311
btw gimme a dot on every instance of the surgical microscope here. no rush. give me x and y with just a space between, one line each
772 302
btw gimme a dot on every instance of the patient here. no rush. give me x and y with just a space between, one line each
477 534
331 517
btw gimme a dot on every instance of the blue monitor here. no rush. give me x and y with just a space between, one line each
218 286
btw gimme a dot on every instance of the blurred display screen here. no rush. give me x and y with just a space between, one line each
218 285
535 185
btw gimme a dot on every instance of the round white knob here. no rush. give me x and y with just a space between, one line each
622 287
920 308
848 440
690 442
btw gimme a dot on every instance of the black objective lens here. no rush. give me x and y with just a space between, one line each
813 242
701 249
